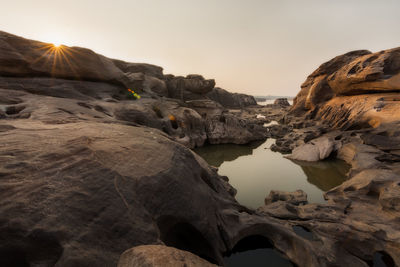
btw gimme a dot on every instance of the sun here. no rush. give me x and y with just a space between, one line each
56 44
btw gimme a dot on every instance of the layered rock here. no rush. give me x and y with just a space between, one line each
230 100
357 72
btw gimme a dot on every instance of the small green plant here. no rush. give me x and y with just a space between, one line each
132 94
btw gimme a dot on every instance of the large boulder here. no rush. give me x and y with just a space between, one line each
160 256
191 87
283 102
102 188
315 150
231 100
20 57
354 73
316 89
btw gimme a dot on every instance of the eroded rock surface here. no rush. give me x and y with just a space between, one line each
160 256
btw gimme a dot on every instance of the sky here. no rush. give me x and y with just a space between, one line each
258 47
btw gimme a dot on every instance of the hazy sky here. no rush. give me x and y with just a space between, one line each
255 46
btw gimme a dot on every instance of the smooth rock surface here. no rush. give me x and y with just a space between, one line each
160 256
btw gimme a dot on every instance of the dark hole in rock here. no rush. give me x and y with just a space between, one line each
174 124
350 188
392 64
339 137
158 112
13 257
373 193
39 248
381 259
303 232
14 110
359 126
252 242
177 233
165 130
354 69
258 251
222 119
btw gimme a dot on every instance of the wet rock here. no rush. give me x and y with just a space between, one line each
160 256
298 197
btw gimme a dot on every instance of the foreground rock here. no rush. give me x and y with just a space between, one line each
160 256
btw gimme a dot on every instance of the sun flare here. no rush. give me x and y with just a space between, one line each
56 44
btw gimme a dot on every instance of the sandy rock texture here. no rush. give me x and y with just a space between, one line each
160 256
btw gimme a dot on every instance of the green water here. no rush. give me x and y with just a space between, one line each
254 170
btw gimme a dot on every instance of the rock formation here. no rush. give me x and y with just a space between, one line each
160 256
282 102
352 101
86 173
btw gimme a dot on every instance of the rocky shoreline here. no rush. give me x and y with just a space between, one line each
87 173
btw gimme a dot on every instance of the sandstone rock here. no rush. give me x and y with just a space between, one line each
298 197
316 89
189 88
354 73
160 256
282 102
230 100
147 69
316 150
22 57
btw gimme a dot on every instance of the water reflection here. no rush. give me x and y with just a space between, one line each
262 257
333 173
255 170
215 155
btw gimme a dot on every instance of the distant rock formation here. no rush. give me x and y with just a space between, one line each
231 100
282 102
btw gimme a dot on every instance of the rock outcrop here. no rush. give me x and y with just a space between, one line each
352 102
230 100
282 102
160 256
354 73
86 173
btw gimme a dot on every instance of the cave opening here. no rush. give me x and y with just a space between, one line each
258 250
178 233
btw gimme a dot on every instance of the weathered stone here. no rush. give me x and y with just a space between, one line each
299 197
160 256
317 149
282 102
230 100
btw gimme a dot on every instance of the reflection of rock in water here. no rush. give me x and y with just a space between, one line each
325 174
216 155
